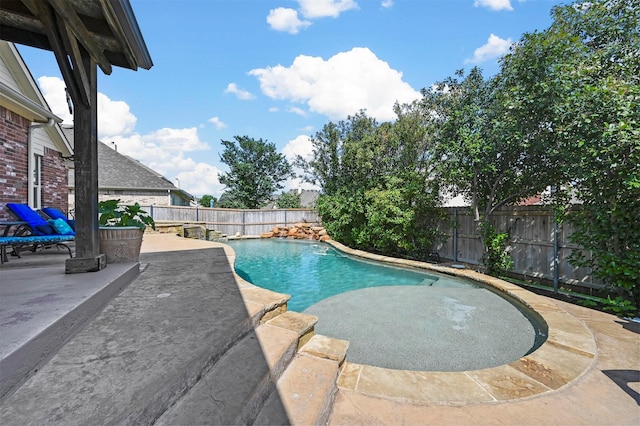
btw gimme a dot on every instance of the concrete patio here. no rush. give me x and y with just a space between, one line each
130 351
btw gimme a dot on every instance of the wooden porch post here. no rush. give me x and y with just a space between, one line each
85 132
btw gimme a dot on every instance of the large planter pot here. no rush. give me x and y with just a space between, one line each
121 244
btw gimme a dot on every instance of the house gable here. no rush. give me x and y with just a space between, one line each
32 145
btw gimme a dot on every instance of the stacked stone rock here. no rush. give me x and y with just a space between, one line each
299 231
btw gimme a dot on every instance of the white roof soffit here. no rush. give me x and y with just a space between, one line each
24 106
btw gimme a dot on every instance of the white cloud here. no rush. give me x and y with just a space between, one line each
298 111
386 4
165 152
302 146
177 139
162 150
313 9
53 92
340 86
114 117
201 179
494 48
494 4
285 19
219 124
240 93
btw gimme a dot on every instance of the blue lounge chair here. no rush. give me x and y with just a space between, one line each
55 213
38 232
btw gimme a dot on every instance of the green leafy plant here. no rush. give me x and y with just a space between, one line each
619 306
114 214
496 257
206 200
588 303
288 200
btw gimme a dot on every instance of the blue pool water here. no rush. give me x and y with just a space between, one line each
392 317
311 271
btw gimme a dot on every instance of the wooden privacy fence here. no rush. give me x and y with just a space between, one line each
535 239
532 234
232 221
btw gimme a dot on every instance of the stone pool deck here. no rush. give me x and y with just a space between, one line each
587 373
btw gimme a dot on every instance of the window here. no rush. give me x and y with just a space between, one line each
37 181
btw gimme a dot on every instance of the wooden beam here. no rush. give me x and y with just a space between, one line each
75 24
85 130
71 45
46 16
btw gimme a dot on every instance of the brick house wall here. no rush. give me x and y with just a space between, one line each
14 157
14 167
55 186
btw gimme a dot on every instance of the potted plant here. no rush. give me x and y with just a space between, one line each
121 229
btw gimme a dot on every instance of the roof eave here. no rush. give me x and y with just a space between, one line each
24 106
129 31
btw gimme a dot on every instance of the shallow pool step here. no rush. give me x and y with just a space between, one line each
305 393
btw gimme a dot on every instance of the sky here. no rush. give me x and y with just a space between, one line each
279 70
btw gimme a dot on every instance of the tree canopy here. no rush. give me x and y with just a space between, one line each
206 200
377 193
577 85
288 200
256 171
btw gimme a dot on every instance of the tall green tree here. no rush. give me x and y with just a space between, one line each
378 194
256 171
576 86
483 154
342 165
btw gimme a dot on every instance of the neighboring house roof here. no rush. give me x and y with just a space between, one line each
308 197
20 93
121 172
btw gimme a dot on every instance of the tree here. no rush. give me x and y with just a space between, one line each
257 170
342 163
206 199
227 202
483 154
576 86
345 155
378 190
288 200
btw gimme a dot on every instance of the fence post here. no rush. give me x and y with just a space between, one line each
556 274
244 228
151 211
455 235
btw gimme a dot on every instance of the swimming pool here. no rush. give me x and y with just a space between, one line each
311 272
393 317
